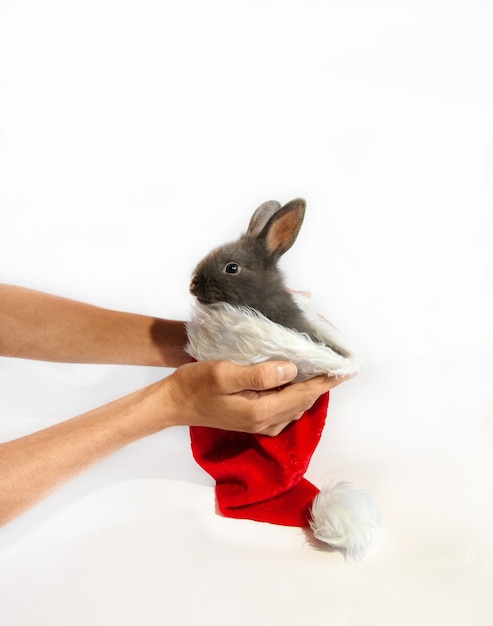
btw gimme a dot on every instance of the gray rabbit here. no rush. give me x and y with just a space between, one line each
245 313
246 273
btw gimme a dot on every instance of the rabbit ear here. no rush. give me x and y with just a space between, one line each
283 227
261 216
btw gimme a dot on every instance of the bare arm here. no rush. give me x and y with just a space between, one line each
216 393
36 325
219 394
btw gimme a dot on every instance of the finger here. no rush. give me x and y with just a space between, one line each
305 294
275 409
273 431
281 422
321 384
261 376
292 401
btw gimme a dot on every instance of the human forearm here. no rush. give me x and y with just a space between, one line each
34 466
41 326
218 394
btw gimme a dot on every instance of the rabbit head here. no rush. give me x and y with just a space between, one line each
245 272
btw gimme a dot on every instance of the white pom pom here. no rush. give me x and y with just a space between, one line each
345 517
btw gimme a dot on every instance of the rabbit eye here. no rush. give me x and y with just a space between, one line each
232 268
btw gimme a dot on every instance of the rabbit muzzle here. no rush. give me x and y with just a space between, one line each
194 284
197 287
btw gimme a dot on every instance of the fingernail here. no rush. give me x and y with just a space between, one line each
287 372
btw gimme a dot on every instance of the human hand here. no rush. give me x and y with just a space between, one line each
219 394
246 398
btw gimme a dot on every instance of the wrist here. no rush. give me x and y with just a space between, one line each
156 409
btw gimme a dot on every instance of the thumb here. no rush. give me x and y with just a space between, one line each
267 375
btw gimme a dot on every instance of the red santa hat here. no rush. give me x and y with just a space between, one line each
262 478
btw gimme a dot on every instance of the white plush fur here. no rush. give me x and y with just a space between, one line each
245 336
345 517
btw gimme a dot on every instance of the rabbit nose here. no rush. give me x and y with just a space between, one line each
194 283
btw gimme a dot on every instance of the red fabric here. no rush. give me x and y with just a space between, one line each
259 477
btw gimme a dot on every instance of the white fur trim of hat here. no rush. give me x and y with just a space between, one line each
245 336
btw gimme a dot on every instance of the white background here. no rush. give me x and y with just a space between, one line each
137 135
